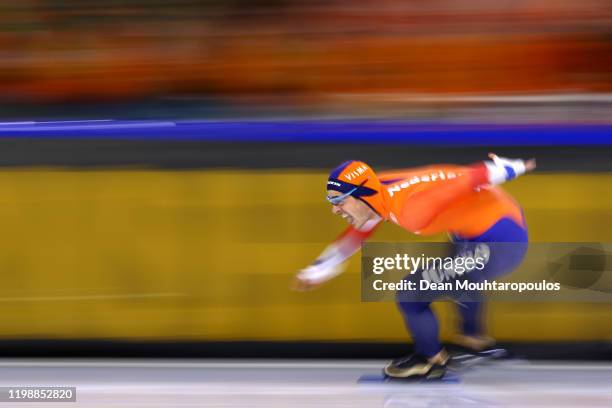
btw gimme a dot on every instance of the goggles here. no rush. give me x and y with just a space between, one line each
337 200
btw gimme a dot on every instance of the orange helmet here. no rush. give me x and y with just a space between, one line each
357 179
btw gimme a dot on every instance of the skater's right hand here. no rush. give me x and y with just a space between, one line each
314 275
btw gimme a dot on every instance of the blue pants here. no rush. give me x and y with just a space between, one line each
502 259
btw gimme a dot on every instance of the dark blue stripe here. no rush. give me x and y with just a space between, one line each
323 132
510 172
339 185
391 181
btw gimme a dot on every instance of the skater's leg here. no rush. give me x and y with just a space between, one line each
471 318
429 359
506 244
472 327
423 326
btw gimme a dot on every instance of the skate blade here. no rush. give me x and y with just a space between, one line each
383 379
465 361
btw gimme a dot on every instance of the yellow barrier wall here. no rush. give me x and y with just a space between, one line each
209 255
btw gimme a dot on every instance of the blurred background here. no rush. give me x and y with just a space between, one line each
163 163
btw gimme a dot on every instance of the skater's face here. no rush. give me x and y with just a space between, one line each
354 211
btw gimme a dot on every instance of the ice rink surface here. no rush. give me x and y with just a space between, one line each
306 383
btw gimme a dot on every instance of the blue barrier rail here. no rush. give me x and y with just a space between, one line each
318 131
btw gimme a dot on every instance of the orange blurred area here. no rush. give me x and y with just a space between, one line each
108 50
